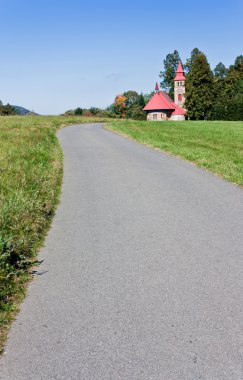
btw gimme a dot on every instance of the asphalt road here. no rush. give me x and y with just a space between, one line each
142 275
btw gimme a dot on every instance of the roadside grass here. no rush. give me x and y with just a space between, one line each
214 145
30 183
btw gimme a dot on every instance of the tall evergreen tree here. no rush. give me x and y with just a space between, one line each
219 76
199 89
239 61
168 74
220 71
141 101
194 53
229 102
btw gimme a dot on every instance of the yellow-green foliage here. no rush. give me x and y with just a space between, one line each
214 145
30 180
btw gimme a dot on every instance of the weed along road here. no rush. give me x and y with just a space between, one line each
142 273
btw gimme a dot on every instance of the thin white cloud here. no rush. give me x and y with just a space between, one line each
113 77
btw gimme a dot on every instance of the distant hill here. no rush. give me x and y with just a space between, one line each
20 110
9 109
23 111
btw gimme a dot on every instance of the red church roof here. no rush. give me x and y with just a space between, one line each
159 101
178 111
162 101
180 72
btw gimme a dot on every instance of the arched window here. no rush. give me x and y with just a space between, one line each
179 97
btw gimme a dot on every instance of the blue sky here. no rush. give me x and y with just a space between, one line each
61 54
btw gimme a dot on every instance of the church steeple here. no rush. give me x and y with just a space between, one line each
179 86
156 87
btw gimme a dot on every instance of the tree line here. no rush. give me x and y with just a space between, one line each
87 112
128 105
210 94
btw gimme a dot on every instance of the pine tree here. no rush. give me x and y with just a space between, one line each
239 61
199 89
168 74
141 101
219 78
229 101
194 53
220 71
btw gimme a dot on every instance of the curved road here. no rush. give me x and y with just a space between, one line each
142 274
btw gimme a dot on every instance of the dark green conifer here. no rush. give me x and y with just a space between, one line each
168 74
199 89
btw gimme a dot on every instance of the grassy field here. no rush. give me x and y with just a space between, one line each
214 145
30 181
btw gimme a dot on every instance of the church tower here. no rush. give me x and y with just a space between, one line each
179 86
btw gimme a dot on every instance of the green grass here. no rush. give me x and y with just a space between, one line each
213 145
30 181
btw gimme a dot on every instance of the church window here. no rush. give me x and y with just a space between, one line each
155 116
179 97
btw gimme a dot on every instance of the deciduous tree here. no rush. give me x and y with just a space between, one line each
134 105
120 105
94 110
78 111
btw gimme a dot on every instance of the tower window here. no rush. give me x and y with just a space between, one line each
179 97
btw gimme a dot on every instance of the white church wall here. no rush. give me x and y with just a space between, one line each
177 117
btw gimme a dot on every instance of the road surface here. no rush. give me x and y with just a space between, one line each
142 277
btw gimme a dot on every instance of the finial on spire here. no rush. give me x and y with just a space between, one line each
156 87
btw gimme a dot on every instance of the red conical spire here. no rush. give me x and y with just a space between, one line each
180 72
180 68
156 87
